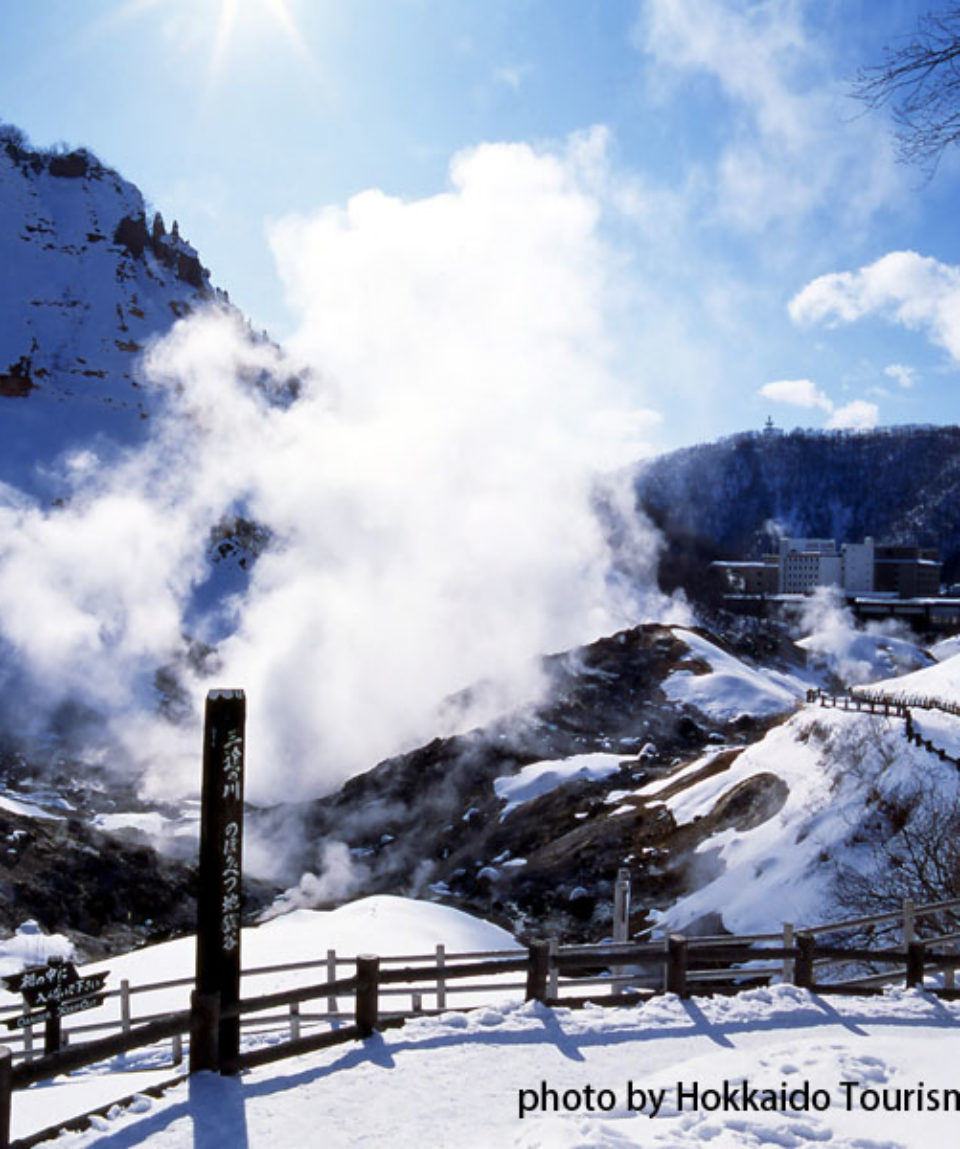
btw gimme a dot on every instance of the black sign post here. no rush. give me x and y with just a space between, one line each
218 899
51 992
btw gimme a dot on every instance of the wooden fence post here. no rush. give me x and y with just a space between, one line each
294 1020
125 1005
204 1031
538 970
441 980
787 945
331 976
909 921
621 906
52 1030
916 957
677 965
6 1094
803 966
368 984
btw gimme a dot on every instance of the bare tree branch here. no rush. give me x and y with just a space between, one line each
919 80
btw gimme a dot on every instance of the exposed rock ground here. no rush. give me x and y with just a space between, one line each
431 822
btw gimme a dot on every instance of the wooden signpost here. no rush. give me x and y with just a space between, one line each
53 991
215 1033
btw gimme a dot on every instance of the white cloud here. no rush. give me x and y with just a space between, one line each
914 291
511 75
904 375
796 392
791 148
858 415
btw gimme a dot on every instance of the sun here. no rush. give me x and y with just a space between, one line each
217 29
251 18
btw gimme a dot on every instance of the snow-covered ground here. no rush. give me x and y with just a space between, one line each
670 1073
730 688
382 925
940 681
817 769
542 777
775 1066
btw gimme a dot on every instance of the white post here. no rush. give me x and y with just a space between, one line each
787 945
331 976
294 1020
441 980
553 977
416 1001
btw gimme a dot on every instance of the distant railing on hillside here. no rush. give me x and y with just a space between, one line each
612 973
893 706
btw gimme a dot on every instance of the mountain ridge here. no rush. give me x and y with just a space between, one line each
737 495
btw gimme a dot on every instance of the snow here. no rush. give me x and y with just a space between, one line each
945 648
525 1075
384 925
484 1079
30 946
731 688
784 868
940 681
26 809
542 777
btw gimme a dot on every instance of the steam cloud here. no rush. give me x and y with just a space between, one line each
430 493
856 655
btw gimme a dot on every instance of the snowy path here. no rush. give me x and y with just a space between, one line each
457 1080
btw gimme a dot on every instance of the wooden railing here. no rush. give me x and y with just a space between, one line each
895 706
628 972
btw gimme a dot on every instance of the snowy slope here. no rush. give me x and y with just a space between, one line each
541 778
84 285
940 681
809 791
725 687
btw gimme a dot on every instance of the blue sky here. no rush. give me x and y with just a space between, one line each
732 224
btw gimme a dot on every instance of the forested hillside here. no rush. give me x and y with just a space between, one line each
735 496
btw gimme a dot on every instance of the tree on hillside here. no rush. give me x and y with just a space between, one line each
919 80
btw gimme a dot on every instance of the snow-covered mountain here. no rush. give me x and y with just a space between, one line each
87 278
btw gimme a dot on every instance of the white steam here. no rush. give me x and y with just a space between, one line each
339 879
429 494
855 655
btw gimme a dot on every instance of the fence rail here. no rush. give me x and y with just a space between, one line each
895 706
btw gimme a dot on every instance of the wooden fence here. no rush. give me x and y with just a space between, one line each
895 706
382 992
